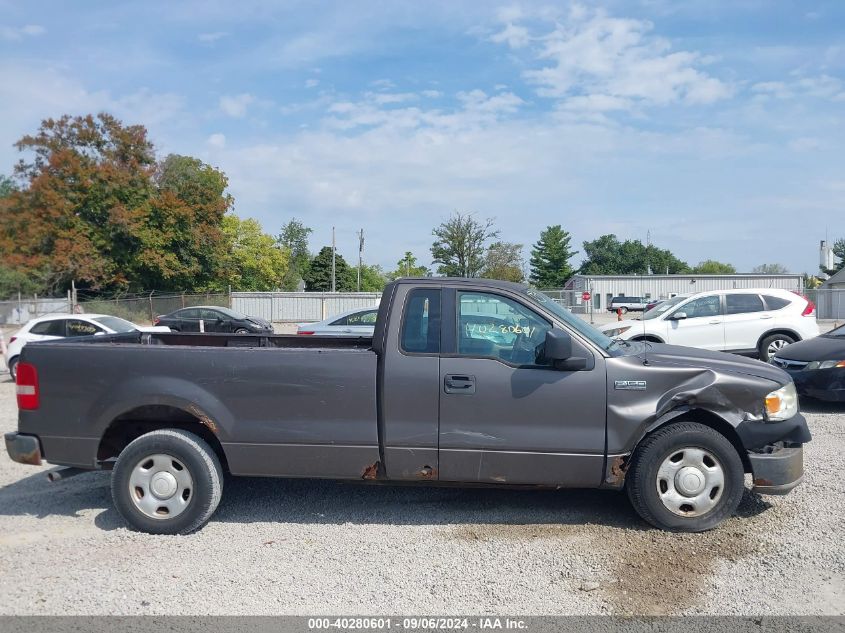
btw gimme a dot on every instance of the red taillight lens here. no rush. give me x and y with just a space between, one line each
810 309
156 321
27 386
304 333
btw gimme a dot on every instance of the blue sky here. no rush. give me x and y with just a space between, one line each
718 126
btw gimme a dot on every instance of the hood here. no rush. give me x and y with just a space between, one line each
818 348
660 354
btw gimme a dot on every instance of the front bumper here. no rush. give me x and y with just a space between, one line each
24 449
778 469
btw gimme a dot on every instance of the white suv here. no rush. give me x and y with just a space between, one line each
754 322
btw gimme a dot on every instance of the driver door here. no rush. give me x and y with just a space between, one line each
704 326
506 415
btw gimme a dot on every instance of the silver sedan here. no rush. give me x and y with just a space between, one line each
357 322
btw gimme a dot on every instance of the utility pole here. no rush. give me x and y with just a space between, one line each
408 264
360 255
334 252
648 252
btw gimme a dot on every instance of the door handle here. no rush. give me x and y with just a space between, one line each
766 316
457 383
715 322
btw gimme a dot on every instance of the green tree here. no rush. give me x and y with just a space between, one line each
459 245
839 252
608 256
294 237
318 277
408 267
254 262
503 260
550 257
712 267
373 278
7 186
770 269
97 208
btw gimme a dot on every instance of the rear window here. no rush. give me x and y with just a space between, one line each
49 328
775 303
743 303
421 322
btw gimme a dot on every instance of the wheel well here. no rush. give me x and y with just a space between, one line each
651 338
717 424
133 424
793 335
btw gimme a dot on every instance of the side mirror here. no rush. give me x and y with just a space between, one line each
678 316
558 345
558 349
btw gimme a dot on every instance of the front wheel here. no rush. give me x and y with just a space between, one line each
167 482
685 477
241 330
623 310
771 345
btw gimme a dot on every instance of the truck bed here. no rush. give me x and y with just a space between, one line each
278 405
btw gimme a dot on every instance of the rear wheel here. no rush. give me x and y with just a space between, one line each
241 330
13 368
623 310
167 482
685 477
771 345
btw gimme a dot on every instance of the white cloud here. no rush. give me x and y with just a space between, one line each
513 35
817 87
216 141
210 38
14 34
589 54
312 83
236 105
431 94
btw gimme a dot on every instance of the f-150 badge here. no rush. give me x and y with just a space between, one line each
630 385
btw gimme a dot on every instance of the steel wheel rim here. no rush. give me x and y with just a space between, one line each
775 346
160 486
690 481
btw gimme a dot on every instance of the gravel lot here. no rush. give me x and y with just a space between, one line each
300 547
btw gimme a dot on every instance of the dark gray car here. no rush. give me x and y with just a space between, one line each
464 380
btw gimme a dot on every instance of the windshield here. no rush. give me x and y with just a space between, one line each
579 325
662 308
840 331
116 324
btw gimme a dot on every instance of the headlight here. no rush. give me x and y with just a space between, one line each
783 403
616 332
825 364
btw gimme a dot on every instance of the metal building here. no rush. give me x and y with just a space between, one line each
603 288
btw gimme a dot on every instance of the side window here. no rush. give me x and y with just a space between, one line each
210 315
340 321
56 327
421 322
190 313
775 303
81 328
490 325
702 307
743 303
362 318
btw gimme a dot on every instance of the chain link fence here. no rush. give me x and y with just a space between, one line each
143 309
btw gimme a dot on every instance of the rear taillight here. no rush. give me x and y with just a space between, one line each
304 333
156 321
809 309
27 386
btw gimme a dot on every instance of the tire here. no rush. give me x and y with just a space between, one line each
623 310
241 330
143 464
13 368
661 501
771 345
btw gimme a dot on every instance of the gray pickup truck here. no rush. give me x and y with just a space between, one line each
464 381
